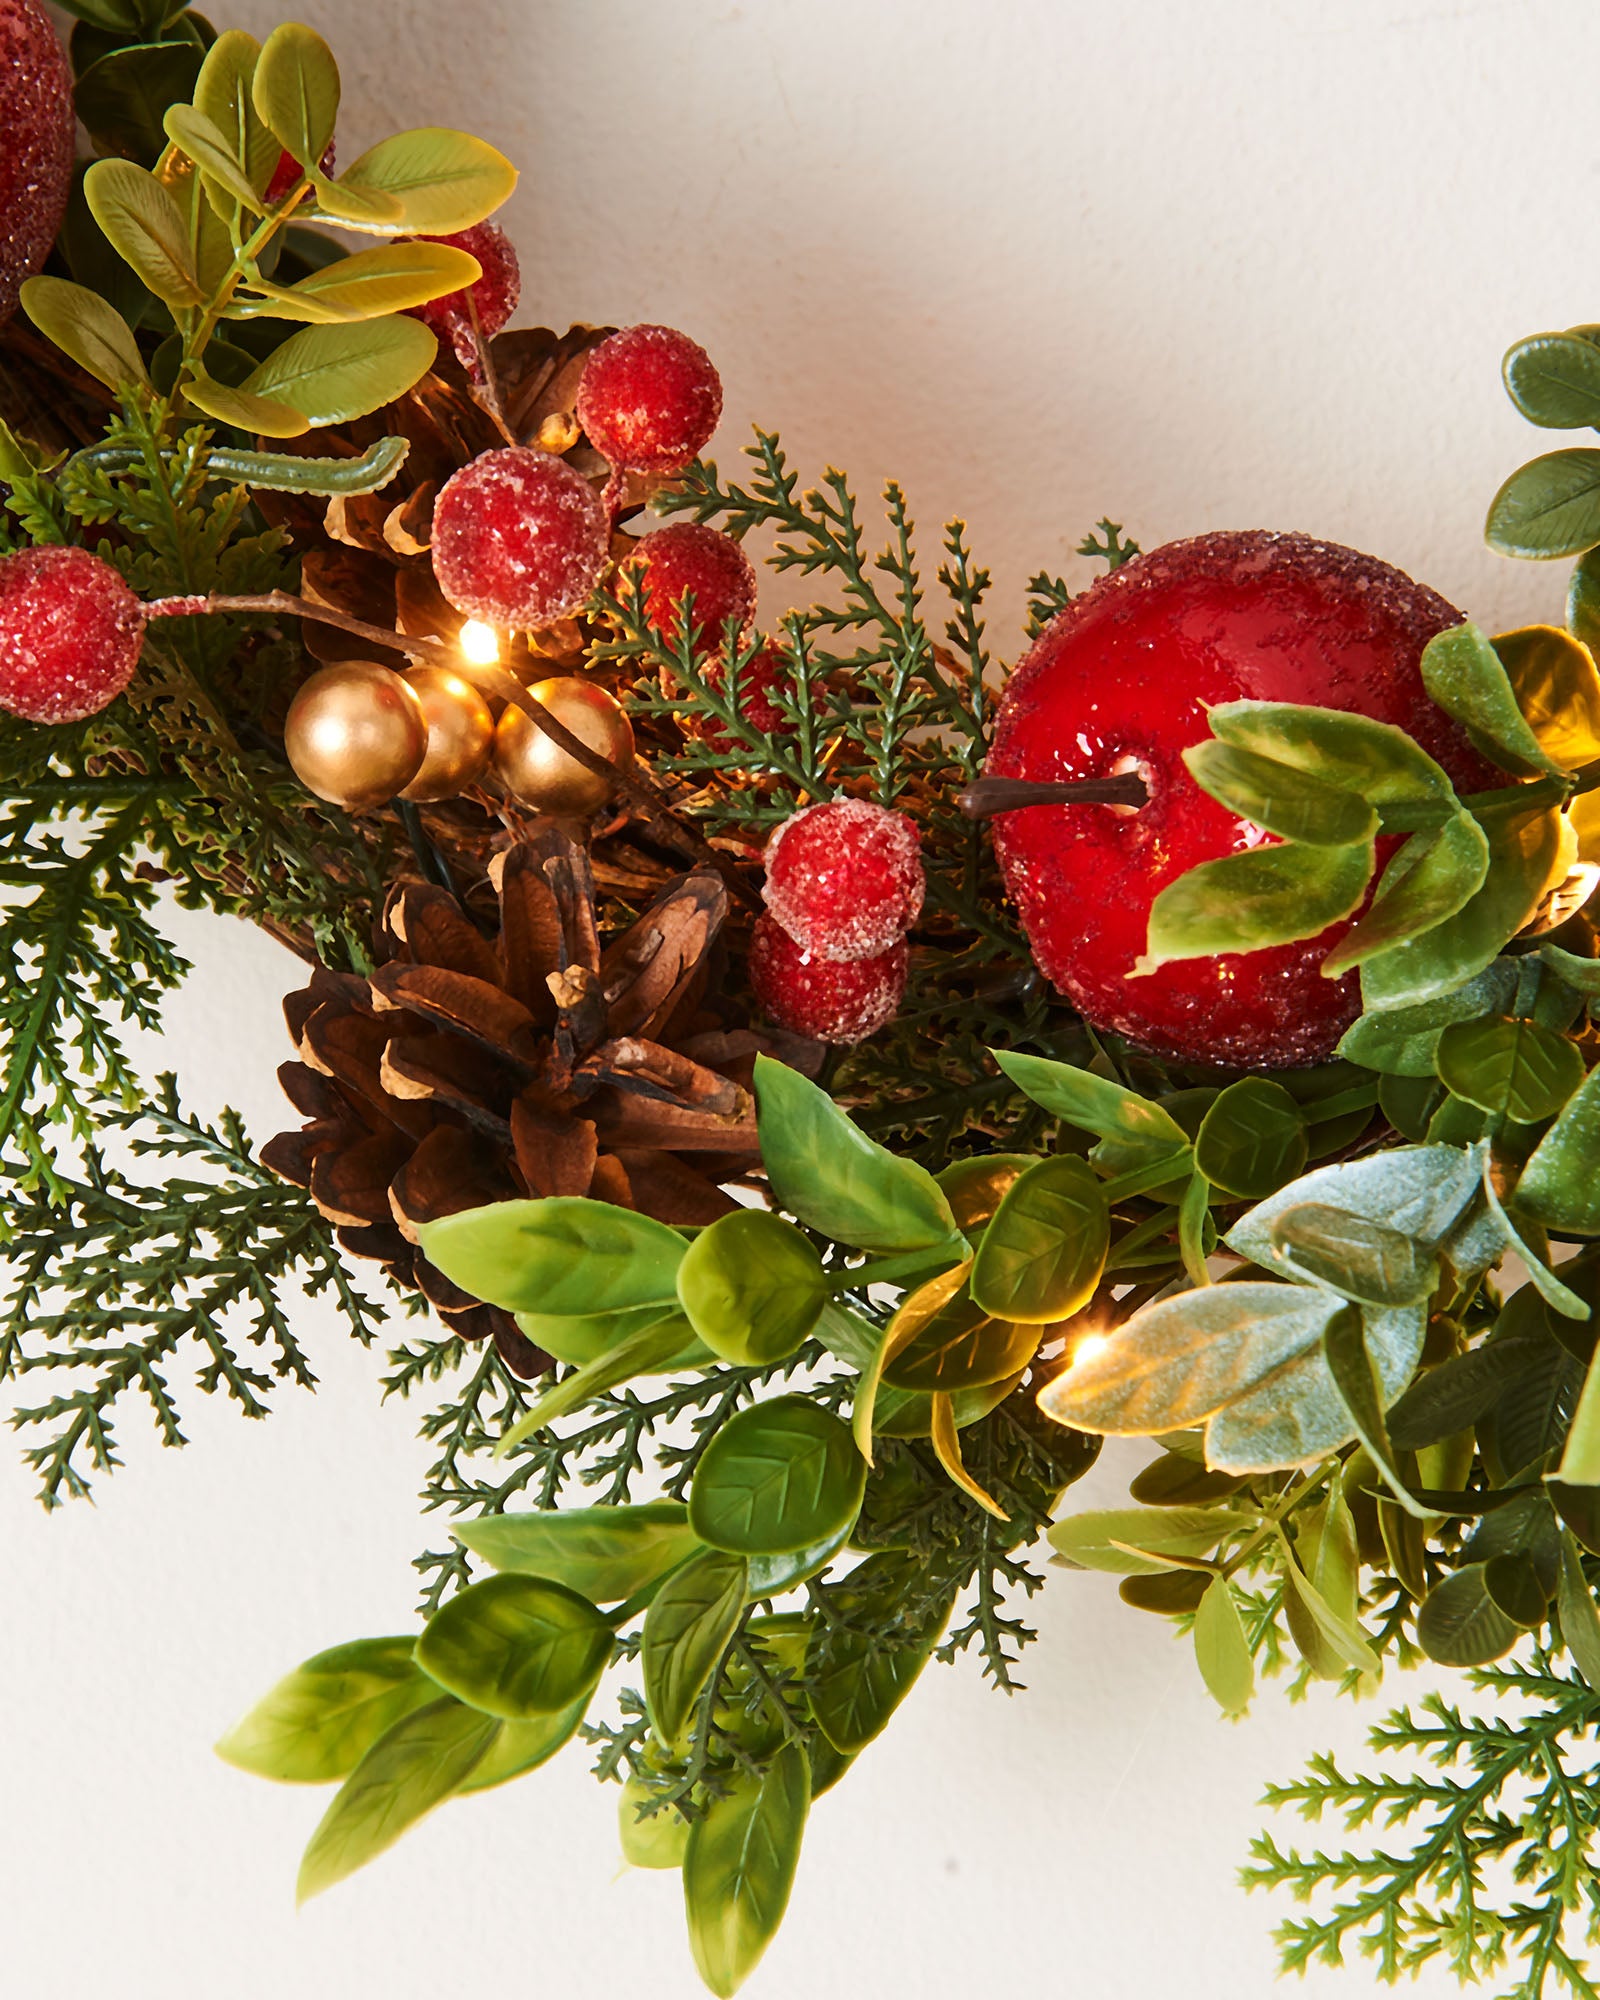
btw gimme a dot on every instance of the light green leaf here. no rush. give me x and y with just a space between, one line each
1252 1139
738 1868
1581 974
387 280
144 225
1245 902
1131 1541
1095 1104
826 1170
86 329
1554 380
1416 1190
1433 876
516 1646
1335 1635
1222 1650
778 1476
263 415
296 91
1548 507
686 1631
650 1840
319 1722
771 1576
222 93
752 1287
367 209
1462 672
1376 759
1580 1461
1513 1068
520 1747
562 1254
656 1347
444 181
603 1553
1041 1255
1280 798
415 1765
331 374
194 134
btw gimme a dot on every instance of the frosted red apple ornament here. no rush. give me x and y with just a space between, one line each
1121 681
36 138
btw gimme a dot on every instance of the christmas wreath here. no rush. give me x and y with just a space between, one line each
810 1085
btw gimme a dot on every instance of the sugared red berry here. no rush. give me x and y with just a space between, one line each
70 633
1121 680
769 672
690 560
649 399
519 538
820 997
845 878
288 173
36 130
494 296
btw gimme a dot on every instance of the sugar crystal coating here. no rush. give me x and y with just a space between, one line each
494 296
1122 679
36 139
70 633
649 399
519 538
819 997
845 878
689 559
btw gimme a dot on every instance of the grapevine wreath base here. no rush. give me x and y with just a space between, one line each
810 1085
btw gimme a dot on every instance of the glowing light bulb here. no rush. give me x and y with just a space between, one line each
1090 1345
480 643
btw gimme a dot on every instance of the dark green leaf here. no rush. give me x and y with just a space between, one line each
1170 1593
564 1254
1559 1186
752 1287
1404 1041
1041 1256
1512 1582
778 1476
686 1631
1460 1625
1579 1510
520 1747
1280 798
1365 1261
828 1172
1409 1102
1548 507
1455 1394
941 1340
1222 1650
1344 1348
603 1553
1175 1481
319 1722
1252 1140
1581 974
1433 876
1529 1418
1580 1623
1266 896
1554 380
857 1680
416 1764
1515 1069
516 1646
123 97
738 1868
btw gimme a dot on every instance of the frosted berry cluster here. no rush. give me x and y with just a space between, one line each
691 561
70 634
649 399
494 296
824 999
519 539
36 134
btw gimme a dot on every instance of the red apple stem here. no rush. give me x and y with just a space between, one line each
988 796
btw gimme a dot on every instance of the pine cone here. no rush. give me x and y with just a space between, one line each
471 1069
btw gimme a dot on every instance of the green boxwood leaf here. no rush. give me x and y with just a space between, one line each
319 1722
1554 380
1557 689
1365 1261
1548 507
1222 1650
1129 1541
390 279
1513 1068
1559 1186
87 329
1582 975
1353 752
826 1170
1280 798
1446 1399
443 181
1042 1253
603 1553
561 1254
122 97
1458 1622
1583 600
1096 1104
1580 1622
738 1867
1350 1363
856 1680
222 92
1433 876
296 91
331 374
263 415
516 1646
752 1287
942 1340
778 1476
1266 896
1463 672
1527 848
1331 1644
520 1747
415 1765
771 1576
1252 1140
143 224
1404 1041
686 1631
194 134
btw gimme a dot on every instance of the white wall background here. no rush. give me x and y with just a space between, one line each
1242 264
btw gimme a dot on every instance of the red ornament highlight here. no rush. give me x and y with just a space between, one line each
288 173
1121 680
70 634
820 998
689 560
494 297
845 879
36 140
519 539
649 399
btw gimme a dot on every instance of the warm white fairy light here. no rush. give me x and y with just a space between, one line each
1090 1345
480 643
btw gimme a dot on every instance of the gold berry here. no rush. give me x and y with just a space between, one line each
534 767
460 735
356 735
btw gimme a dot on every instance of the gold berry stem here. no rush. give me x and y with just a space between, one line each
490 680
